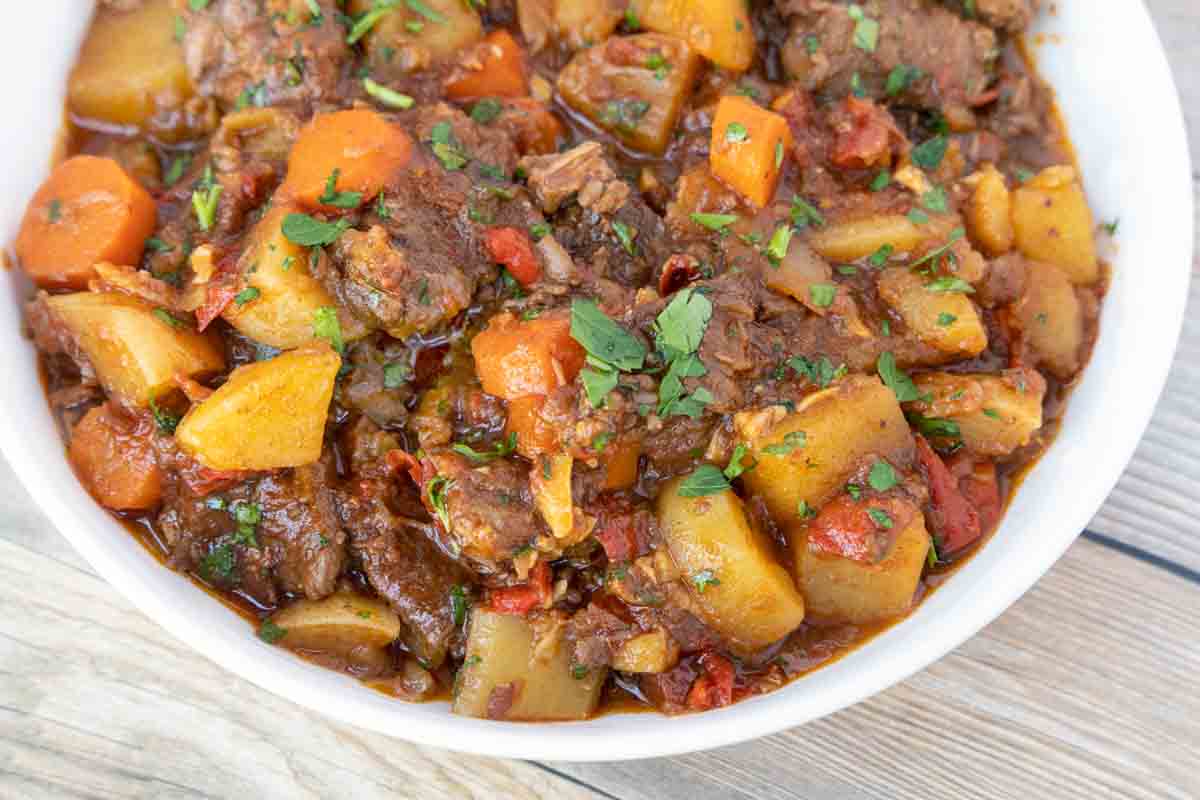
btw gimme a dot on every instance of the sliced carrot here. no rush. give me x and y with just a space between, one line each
748 146
515 358
364 148
89 210
501 71
621 464
512 248
535 435
114 457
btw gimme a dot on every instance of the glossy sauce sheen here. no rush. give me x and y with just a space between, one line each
411 375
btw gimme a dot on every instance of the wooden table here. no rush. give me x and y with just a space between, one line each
1088 687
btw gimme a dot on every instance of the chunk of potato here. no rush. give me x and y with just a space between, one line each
623 87
989 214
996 414
115 459
747 147
1052 223
131 71
840 590
719 30
1052 318
729 567
136 353
808 454
651 652
550 484
405 39
501 661
948 321
267 415
797 271
337 624
288 296
583 23
855 239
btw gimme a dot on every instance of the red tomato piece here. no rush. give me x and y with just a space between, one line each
714 688
219 296
512 248
954 519
520 600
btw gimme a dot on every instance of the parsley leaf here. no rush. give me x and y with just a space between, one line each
805 213
929 153
880 518
626 235
386 96
603 338
165 420
736 132
714 222
822 294
897 379
735 466
327 327
819 371
205 198
704 579
271 633
332 197
705 480
882 476
945 285
501 449
309 231
459 604
436 491
790 442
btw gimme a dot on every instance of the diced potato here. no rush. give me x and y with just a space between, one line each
515 358
337 624
283 312
131 70
651 652
136 353
841 590
633 87
552 493
989 214
948 321
816 447
406 40
995 413
1052 319
115 459
500 658
730 568
583 23
719 30
850 241
1052 223
267 415
748 147
797 271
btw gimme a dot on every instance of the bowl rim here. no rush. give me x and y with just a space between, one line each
154 590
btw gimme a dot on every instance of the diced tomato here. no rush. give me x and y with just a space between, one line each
618 539
520 600
714 688
954 519
512 248
402 461
204 481
982 490
678 272
845 528
865 133
219 296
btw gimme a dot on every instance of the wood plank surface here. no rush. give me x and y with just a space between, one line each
1088 687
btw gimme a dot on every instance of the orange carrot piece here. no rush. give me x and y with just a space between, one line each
89 210
535 435
365 149
514 358
748 146
115 460
621 464
501 73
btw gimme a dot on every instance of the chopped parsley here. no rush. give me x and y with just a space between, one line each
366 22
395 375
790 442
678 332
247 295
205 197
447 150
308 231
945 285
881 256
866 30
714 222
880 518
332 197
501 449
165 317
707 479
704 579
935 200
881 181
459 604
897 379
217 566
882 476
736 132
603 339
820 371
822 294
929 153
777 247
436 491
624 115
178 166
804 213
271 633
735 466
626 235
901 77
804 510
165 420
389 97
327 327
486 110
247 516
946 319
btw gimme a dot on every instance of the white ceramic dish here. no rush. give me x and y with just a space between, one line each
1118 96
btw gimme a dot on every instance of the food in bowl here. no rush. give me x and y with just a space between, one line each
561 357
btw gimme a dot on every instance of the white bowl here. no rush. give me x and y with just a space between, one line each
1125 119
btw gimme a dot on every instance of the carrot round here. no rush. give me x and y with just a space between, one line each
501 71
115 460
364 148
89 210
